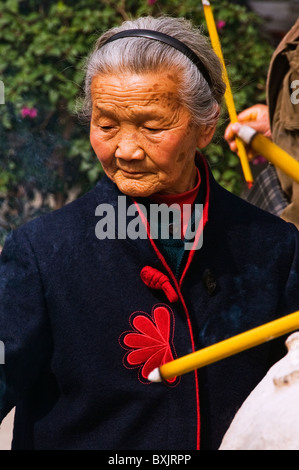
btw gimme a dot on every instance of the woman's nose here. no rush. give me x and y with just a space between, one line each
128 148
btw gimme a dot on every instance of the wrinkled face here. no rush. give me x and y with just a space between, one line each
142 135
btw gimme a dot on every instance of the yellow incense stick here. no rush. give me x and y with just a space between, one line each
226 348
228 93
270 151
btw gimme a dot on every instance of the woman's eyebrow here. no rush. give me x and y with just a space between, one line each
104 111
139 114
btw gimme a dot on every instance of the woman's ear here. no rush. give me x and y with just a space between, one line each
205 136
207 132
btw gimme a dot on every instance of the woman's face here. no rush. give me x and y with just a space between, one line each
142 135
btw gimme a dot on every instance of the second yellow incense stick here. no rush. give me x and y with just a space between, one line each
228 93
226 348
272 152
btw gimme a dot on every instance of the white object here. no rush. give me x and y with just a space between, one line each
246 133
269 417
154 375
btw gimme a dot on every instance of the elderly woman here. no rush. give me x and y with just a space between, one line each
91 302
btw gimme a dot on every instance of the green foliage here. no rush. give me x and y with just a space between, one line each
43 46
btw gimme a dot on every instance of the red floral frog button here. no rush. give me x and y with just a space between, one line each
149 344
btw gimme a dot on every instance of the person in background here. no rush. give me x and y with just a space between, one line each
273 190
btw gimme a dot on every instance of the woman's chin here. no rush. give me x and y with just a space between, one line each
135 188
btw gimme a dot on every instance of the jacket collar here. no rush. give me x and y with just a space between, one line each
106 192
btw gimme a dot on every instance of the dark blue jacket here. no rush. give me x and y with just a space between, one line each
81 328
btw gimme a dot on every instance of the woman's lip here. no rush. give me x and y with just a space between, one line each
132 173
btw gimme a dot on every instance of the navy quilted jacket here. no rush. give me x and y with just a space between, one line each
82 326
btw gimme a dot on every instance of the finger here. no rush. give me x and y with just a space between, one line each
249 114
229 133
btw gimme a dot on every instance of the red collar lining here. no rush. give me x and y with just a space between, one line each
178 285
205 217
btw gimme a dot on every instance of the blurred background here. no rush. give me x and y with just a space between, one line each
278 16
45 156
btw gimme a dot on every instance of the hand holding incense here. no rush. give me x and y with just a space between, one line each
272 152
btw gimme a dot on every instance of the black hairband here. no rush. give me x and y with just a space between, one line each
171 41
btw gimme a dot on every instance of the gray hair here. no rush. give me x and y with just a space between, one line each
140 55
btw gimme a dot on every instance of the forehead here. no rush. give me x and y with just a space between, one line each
149 90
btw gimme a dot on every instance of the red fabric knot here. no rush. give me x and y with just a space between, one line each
157 280
150 344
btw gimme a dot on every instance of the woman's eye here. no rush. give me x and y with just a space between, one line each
153 129
106 128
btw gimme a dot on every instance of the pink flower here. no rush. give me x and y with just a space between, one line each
220 24
259 160
151 2
30 112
